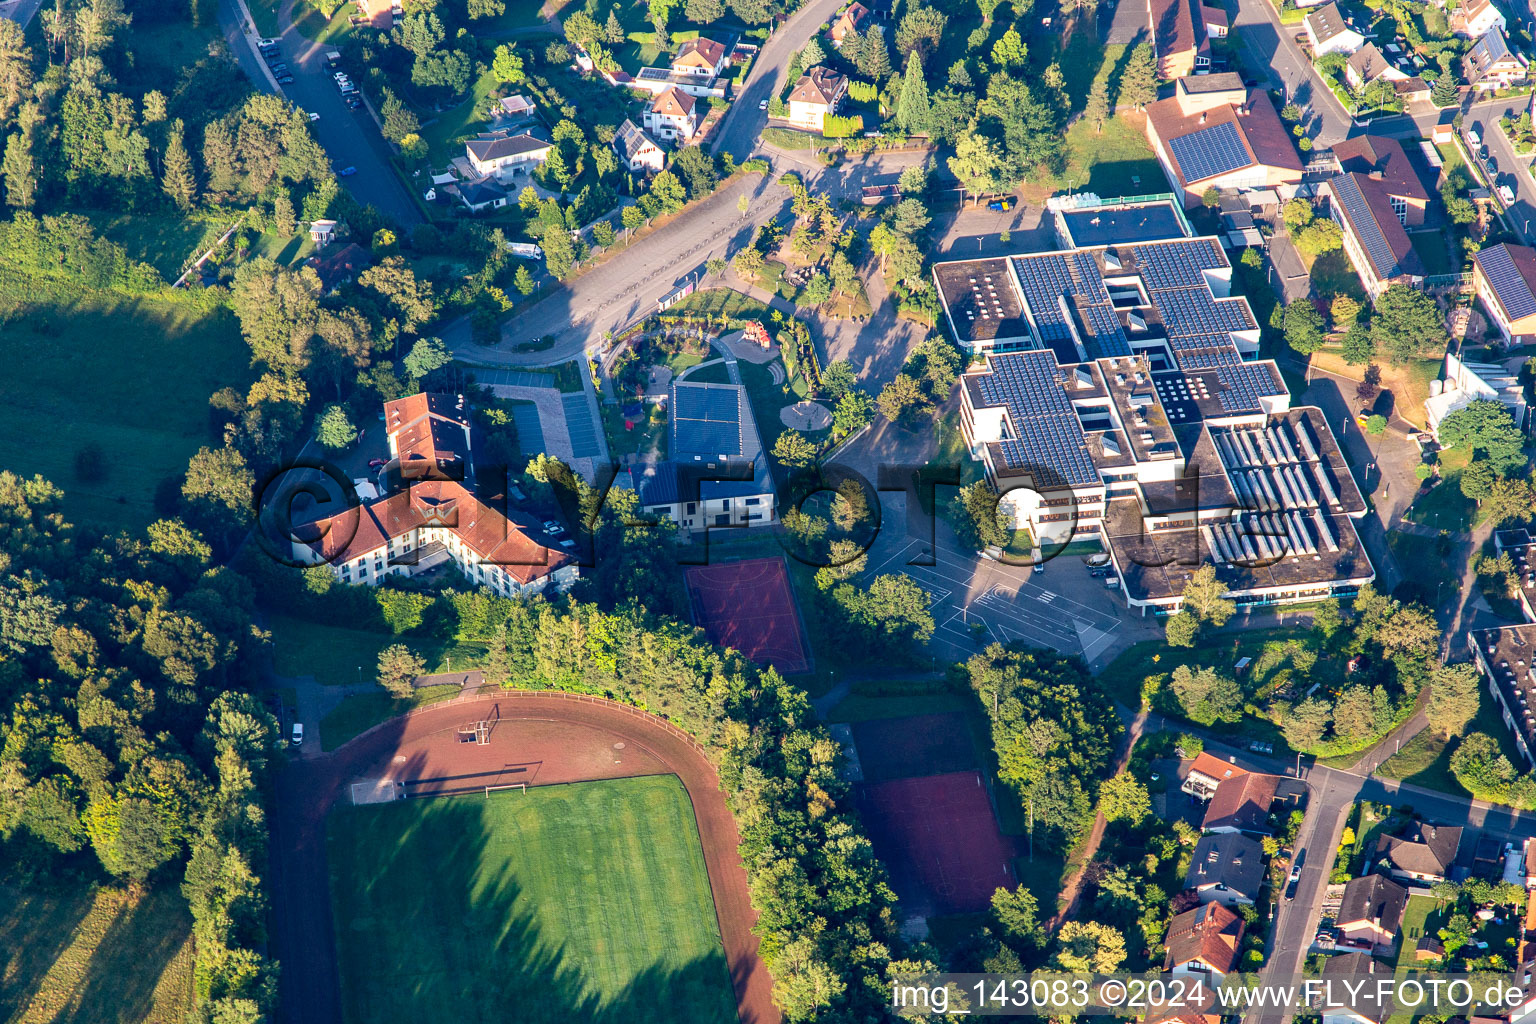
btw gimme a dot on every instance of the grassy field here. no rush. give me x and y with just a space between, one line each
337 656
1425 760
361 712
1416 922
132 376
580 902
1115 162
82 957
1408 382
722 300
1444 507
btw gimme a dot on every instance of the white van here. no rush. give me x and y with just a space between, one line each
298 734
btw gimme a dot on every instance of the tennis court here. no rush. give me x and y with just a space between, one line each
901 748
749 605
939 839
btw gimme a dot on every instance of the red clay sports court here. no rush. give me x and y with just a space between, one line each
939 839
749 605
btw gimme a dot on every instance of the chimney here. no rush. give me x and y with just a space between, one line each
1202 117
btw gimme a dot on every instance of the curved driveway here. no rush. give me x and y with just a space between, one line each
553 738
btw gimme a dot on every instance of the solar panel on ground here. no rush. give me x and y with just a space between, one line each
578 423
1210 151
1508 284
1369 231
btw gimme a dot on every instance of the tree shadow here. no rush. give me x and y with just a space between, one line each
38 922
431 922
126 967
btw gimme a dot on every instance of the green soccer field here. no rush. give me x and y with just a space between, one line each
583 902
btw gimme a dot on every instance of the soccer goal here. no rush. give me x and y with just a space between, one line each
506 785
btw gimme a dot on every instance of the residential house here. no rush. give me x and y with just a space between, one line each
848 21
1178 38
672 114
1504 279
1371 913
1206 773
1329 31
1473 19
1464 382
1373 200
1215 20
482 194
818 93
1490 64
1412 90
1215 133
716 473
637 150
1226 868
701 58
1204 941
502 154
1354 997
1368 64
1422 853
341 266
1242 805
517 108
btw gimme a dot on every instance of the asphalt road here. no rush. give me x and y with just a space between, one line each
743 122
1270 44
351 138
22 11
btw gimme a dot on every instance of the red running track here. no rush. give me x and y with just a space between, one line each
541 739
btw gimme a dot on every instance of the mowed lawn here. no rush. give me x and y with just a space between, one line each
130 375
583 902
73 956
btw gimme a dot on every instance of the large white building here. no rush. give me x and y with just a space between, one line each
435 517
1117 405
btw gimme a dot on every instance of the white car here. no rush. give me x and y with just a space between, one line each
298 734
763 105
1507 194
313 116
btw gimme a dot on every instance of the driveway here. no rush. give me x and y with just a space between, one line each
350 138
1514 170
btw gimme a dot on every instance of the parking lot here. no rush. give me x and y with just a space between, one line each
1063 607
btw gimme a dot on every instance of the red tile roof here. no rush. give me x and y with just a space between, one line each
705 53
672 102
1208 934
818 85
437 503
1369 154
1242 803
428 427
1173 27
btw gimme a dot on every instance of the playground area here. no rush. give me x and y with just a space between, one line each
750 605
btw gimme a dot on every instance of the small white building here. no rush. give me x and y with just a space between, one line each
701 58
322 232
637 150
1466 382
1473 19
673 115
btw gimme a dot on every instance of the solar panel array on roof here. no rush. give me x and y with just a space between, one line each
1106 329
1210 151
1177 264
1045 279
1508 284
1204 358
1376 245
707 420
1243 385
1049 436
1194 311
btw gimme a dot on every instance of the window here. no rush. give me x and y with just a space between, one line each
753 501
1400 207
693 507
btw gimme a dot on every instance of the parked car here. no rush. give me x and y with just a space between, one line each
375 463
346 172
1507 194
568 544
285 79
1110 582
763 105
298 734
553 527
1292 884
279 68
314 116
264 43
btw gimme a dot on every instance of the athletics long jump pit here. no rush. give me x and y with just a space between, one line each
574 860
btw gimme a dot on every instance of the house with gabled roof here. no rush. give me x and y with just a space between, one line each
1203 941
1371 913
1491 64
1374 199
818 93
1227 868
701 57
1473 19
849 20
1504 278
673 114
637 150
1354 995
1213 132
1367 64
1329 31
1242 804
1420 853
502 154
